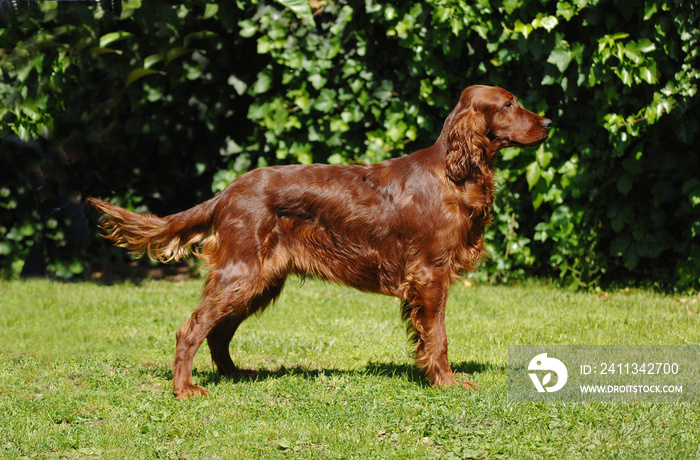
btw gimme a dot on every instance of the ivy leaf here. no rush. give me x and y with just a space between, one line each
625 75
566 10
98 50
560 57
645 45
176 53
650 9
544 157
325 102
262 83
633 53
524 29
137 74
538 199
317 81
248 28
549 22
210 10
113 37
385 91
510 5
647 75
533 173
200 35
239 85
301 8
151 60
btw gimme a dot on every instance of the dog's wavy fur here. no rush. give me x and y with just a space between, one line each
405 227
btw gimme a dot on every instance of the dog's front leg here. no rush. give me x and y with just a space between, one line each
425 307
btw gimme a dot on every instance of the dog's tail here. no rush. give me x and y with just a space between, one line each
162 238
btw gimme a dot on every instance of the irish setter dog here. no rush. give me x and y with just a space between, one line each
405 227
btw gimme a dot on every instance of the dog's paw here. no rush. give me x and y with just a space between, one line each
189 391
466 385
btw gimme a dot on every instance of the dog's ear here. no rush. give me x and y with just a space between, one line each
466 145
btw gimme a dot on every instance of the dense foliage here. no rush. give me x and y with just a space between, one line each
167 103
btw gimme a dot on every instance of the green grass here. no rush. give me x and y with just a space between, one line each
85 373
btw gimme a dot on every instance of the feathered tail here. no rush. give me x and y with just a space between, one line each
163 239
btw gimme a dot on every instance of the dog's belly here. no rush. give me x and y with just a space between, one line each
338 257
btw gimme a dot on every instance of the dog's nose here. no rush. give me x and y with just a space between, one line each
547 123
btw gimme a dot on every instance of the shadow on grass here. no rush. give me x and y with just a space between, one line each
463 371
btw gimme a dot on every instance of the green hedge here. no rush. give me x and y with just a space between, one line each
170 102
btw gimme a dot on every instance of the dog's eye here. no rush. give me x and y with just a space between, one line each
509 104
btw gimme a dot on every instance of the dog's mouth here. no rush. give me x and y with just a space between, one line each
537 143
516 143
498 140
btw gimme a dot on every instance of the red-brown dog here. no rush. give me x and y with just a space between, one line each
405 227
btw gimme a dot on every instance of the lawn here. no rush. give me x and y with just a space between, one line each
85 373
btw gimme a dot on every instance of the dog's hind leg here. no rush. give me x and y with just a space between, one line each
218 341
220 337
189 338
227 301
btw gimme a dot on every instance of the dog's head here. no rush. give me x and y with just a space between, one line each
486 120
